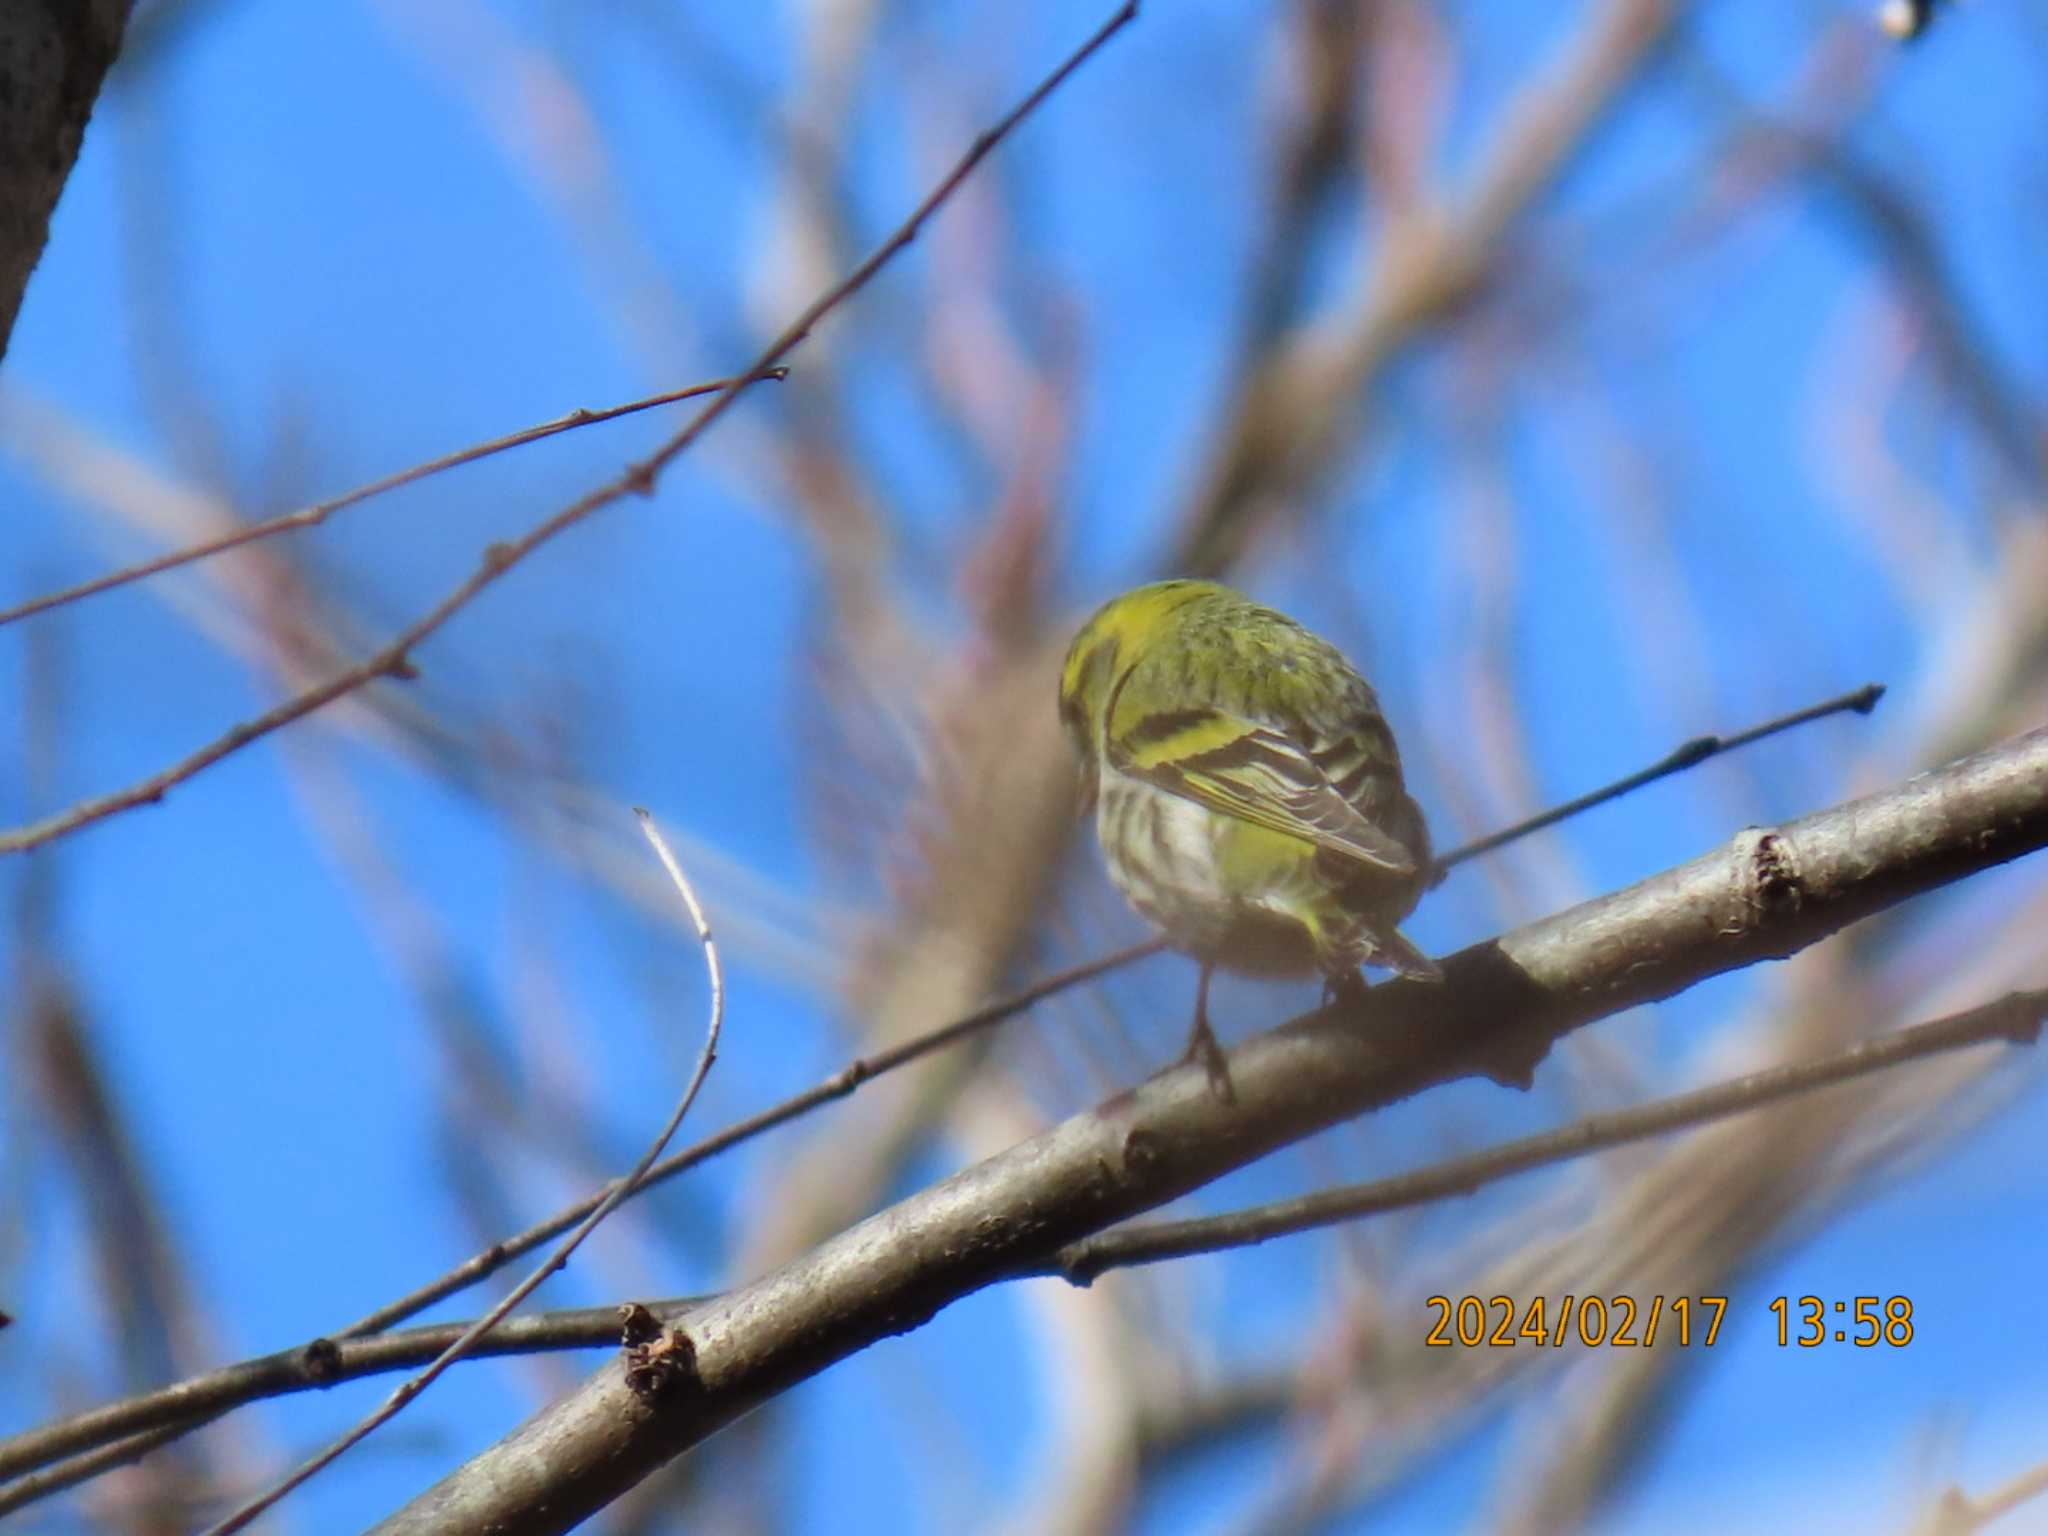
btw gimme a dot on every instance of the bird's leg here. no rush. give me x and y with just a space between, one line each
1202 1044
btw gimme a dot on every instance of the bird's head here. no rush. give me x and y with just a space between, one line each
1106 647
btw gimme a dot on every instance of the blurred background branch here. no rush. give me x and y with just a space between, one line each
1597 374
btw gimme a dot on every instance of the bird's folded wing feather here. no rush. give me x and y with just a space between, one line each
1241 768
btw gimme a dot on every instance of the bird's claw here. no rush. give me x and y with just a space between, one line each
1202 1048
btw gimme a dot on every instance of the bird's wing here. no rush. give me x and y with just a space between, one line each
1239 767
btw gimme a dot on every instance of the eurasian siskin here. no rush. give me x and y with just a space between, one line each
1248 794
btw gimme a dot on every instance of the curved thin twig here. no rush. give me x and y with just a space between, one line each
412 1388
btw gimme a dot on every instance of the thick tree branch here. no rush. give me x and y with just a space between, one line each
1765 894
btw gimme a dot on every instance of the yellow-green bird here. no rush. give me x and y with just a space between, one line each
1247 792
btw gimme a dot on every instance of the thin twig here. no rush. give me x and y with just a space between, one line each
2016 1017
69 1473
412 1388
318 513
1692 753
310 1367
394 659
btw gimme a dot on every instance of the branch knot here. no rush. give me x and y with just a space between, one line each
1773 884
658 1367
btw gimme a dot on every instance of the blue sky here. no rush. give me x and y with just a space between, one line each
307 246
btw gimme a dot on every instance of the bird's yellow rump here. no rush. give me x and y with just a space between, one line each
1247 792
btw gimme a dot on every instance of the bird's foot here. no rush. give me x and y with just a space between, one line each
1404 959
1202 1048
